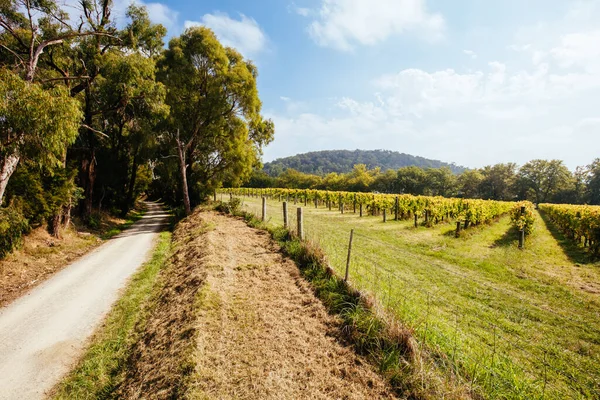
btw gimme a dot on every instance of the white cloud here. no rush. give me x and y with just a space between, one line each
245 34
470 53
579 49
342 24
494 114
158 13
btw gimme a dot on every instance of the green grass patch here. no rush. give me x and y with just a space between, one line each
100 370
513 323
132 217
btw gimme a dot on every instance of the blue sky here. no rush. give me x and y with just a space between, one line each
474 82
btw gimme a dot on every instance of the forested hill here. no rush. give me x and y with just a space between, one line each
342 161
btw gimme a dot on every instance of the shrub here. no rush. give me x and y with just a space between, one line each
13 225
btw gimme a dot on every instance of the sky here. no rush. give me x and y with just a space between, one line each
474 82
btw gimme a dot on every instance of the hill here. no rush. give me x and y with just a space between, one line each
342 161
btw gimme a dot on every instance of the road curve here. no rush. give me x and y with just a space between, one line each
43 332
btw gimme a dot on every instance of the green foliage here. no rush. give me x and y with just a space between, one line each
522 216
544 178
232 207
215 125
579 223
13 225
343 161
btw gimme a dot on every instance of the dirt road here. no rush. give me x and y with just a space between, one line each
42 333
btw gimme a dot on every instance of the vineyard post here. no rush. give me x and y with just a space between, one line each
305 200
349 254
426 216
215 196
340 204
522 231
280 197
329 204
457 228
285 215
300 224
342 208
264 209
416 220
521 238
354 203
384 215
296 199
360 209
396 208
316 203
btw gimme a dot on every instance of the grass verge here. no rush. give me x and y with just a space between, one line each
101 368
517 324
411 371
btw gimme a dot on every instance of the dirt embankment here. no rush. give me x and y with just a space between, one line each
39 258
236 320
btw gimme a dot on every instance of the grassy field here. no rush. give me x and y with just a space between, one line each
514 323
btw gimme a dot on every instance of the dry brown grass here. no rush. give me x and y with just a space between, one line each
235 320
40 256
262 332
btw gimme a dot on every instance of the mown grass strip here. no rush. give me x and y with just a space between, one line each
100 370
409 369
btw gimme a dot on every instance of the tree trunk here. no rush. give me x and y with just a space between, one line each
88 177
54 225
129 199
9 164
184 184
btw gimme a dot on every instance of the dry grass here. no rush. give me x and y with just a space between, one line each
262 332
40 257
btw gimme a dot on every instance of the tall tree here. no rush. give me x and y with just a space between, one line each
215 127
498 181
468 183
35 124
593 181
544 178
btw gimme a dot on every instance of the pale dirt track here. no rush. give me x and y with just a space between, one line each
43 332
262 332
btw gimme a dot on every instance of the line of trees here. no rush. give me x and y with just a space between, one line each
540 181
93 113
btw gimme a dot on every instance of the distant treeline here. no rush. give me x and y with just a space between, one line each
540 181
342 161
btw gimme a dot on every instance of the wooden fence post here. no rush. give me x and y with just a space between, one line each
264 209
522 238
458 224
397 208
300 224
349 254
285 215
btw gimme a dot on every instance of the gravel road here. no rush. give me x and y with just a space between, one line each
43 332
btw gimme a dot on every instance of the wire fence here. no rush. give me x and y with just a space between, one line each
472 326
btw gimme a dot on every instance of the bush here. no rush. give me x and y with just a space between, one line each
13 225
232 207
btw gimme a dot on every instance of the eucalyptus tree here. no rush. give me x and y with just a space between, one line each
215 127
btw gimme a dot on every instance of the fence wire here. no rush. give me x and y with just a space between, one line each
481 351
